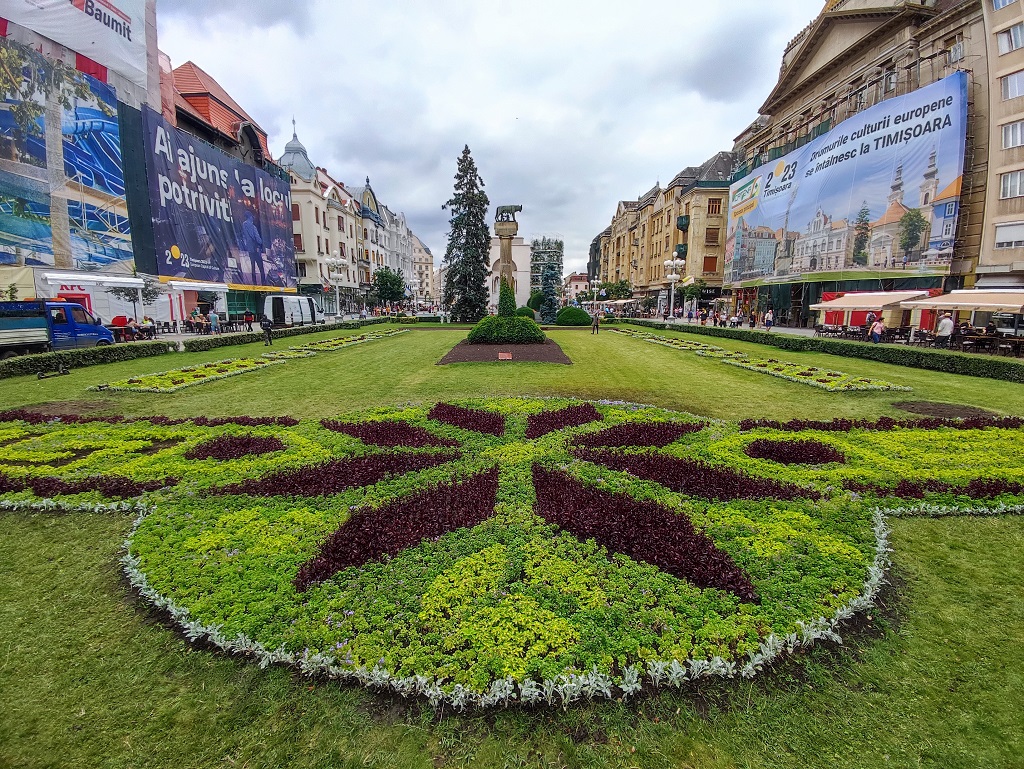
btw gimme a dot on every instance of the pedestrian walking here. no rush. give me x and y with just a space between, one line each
266 324
248 318
877 329
214 322
769 320
595 326
944 331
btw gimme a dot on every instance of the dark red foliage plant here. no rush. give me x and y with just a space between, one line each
979 488
388 530
234 447
883 424
336 475
112 486
656 434
478 420
696 479
804 452
571 416
389 434
643 530
35 418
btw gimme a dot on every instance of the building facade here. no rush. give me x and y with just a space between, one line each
574 285
855 55
423 278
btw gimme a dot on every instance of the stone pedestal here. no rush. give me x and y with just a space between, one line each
505 232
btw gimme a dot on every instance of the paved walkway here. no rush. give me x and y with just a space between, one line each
682 325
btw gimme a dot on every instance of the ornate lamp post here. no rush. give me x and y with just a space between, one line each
672 266
334 264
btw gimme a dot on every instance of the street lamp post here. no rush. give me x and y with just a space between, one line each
334 264
672 266
414 284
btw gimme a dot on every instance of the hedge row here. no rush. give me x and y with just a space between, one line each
204 343
968 364
71 359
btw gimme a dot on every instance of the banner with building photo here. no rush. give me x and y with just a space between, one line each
110 32
879 193
215 218
62 190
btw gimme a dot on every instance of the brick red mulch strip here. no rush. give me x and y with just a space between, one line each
643 530
464 352
370 534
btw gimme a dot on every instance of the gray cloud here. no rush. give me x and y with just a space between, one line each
566 112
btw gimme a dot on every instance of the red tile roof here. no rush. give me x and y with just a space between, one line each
208 99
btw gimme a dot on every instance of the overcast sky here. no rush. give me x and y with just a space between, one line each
568 107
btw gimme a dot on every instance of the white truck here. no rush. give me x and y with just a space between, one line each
286 310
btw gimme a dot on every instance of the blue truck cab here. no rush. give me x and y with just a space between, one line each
41 326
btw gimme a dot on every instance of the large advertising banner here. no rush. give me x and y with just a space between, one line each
62 190
111 32
214 217
879 193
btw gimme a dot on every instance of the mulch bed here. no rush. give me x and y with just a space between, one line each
943 410
464 352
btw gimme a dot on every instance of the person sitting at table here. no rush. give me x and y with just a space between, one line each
202 324
132 329
148 327
990 328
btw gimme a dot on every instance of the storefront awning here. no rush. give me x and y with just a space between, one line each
1010 300
92 279
192 285
869 300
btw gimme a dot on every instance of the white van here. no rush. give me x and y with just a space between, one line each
290 310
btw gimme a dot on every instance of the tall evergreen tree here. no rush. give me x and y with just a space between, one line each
467 257
549 281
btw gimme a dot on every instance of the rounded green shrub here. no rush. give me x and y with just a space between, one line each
497 330
525 312
572 316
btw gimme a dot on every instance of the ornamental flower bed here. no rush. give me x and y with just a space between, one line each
386 433
341 342
229 447
595 560
884 423
178 379
832 381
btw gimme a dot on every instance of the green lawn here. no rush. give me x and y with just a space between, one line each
90 678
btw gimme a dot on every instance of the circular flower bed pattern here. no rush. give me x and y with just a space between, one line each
440 551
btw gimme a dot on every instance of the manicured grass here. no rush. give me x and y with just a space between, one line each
89 677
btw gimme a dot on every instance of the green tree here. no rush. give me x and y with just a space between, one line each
388 285
862 230
912 225
150 293
467 257
506 301
536 300
691 292
549 280
619 290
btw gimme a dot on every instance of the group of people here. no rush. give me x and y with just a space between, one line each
134 330
736 320
208 323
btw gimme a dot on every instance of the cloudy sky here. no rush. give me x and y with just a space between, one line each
567 106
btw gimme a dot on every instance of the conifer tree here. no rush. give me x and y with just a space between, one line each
506 301
549 286
467 257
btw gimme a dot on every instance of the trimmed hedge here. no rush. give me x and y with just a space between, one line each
204 343
985 366
573 316
526 312
72 359
515 330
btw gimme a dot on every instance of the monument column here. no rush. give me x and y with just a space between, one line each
506 227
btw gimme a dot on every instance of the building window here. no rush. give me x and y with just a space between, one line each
343 249
1012 86
341 226
997 4
947 229
1011 39
297 240
295 212
301 267
1011 185
319 245
366 234
1010 235
1013 135
950 209
714 206
710 264
316 209
711 236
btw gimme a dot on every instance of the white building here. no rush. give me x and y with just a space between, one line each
520 272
